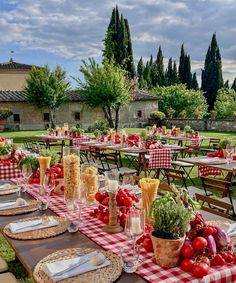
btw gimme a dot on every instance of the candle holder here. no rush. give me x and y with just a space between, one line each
113 226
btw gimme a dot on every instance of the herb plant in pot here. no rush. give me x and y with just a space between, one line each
170 223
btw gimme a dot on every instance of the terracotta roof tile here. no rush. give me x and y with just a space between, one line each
12 65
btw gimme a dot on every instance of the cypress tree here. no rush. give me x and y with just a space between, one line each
175 77
182 65
110 39
153 71
169 73
187 74
194 82
140 71
147 75
234 85
226 84
130 68
160 68
212 78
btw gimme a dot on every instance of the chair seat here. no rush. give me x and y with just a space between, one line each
227 200
182 163
7 278
3 265
194 190
126 170
131 154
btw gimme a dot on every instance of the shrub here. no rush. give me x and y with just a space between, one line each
225 102
170 112
158 115
100 125
5 113
223 143
183 114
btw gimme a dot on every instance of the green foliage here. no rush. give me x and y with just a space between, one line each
183 114
98 125
29 160
179 98
106 87
225 102
194 82
5 113
223 143
97 133
46 88
187 129
170 216
212 78
54 156
143 134
158 115
185 74
140 70
234 85
6 149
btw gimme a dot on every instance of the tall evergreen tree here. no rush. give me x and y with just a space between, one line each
234 85
169 73
226 84
147 75
175 77
185 75
194 82
140 72
117 43
160 68
212 78
153 71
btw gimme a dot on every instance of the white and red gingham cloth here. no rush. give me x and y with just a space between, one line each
9 171
147 269
159 158
77 142
195 142
204 171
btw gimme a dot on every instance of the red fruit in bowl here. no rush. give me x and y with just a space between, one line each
128 201
147 244
100 216
101 208
106 201
106 219
99 197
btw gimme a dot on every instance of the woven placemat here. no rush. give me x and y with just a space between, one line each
103 275
33 206
12 190
223 225
39 233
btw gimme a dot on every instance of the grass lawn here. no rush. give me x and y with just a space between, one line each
18 137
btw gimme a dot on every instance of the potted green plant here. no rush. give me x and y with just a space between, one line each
157 117
5 151
223 144
171 220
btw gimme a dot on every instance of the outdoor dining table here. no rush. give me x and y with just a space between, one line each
180 139
30 252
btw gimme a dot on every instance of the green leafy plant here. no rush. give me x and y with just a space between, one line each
54 156
170 217
170 112
223 143
143 134
98 125
157 115
5 113
29 160
6 149
183 114
97 133
188 129
73 129
105 132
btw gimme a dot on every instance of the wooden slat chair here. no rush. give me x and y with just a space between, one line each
221 187
32 146
214 206
99 158
173 174
185 166
212 146
193 148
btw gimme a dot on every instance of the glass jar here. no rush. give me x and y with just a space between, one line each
89 181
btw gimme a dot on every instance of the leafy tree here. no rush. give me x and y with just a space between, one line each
212 79
105 86
179 99
46 88
117 43
226 84
225 103
194 82
234 85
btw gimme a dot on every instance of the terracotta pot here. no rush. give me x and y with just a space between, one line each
167 251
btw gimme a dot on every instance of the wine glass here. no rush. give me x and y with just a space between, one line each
27 173
135 223
45 192
229 152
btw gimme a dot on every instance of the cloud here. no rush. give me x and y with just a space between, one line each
74 30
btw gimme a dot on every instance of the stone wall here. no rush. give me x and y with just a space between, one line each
31 117
13 81
204 124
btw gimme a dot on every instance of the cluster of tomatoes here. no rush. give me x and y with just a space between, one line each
145 240
201 249
124 201
56 171
133 140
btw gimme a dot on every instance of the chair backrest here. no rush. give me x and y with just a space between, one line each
163 188
214 206
221 186
175 174
32 146
213 143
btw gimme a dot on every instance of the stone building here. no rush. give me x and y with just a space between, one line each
27 116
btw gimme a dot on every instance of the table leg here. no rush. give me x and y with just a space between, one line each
139 164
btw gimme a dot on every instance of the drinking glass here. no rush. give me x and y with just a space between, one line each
112 180
130 258
71 224
27 173
229 152
135 223
89 181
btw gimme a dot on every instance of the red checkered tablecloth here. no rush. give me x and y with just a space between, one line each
194 142
159 158
208 171
77 143
148 270
9 171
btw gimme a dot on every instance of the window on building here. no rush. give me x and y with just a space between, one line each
16 118
77 116
139 114
46 117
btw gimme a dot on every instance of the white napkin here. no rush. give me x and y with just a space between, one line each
231 230
7 187
11 205
18 227
55 270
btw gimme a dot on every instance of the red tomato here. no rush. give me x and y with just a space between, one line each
99 197
147 244
218 260
106 201
128 201
187 264
106 219
100 216
200 269
205 260
187 250
209 230
199 243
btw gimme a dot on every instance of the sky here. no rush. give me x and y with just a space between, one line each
64 32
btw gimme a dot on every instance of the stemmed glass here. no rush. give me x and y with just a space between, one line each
135 223
45 192
27 173
229 152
